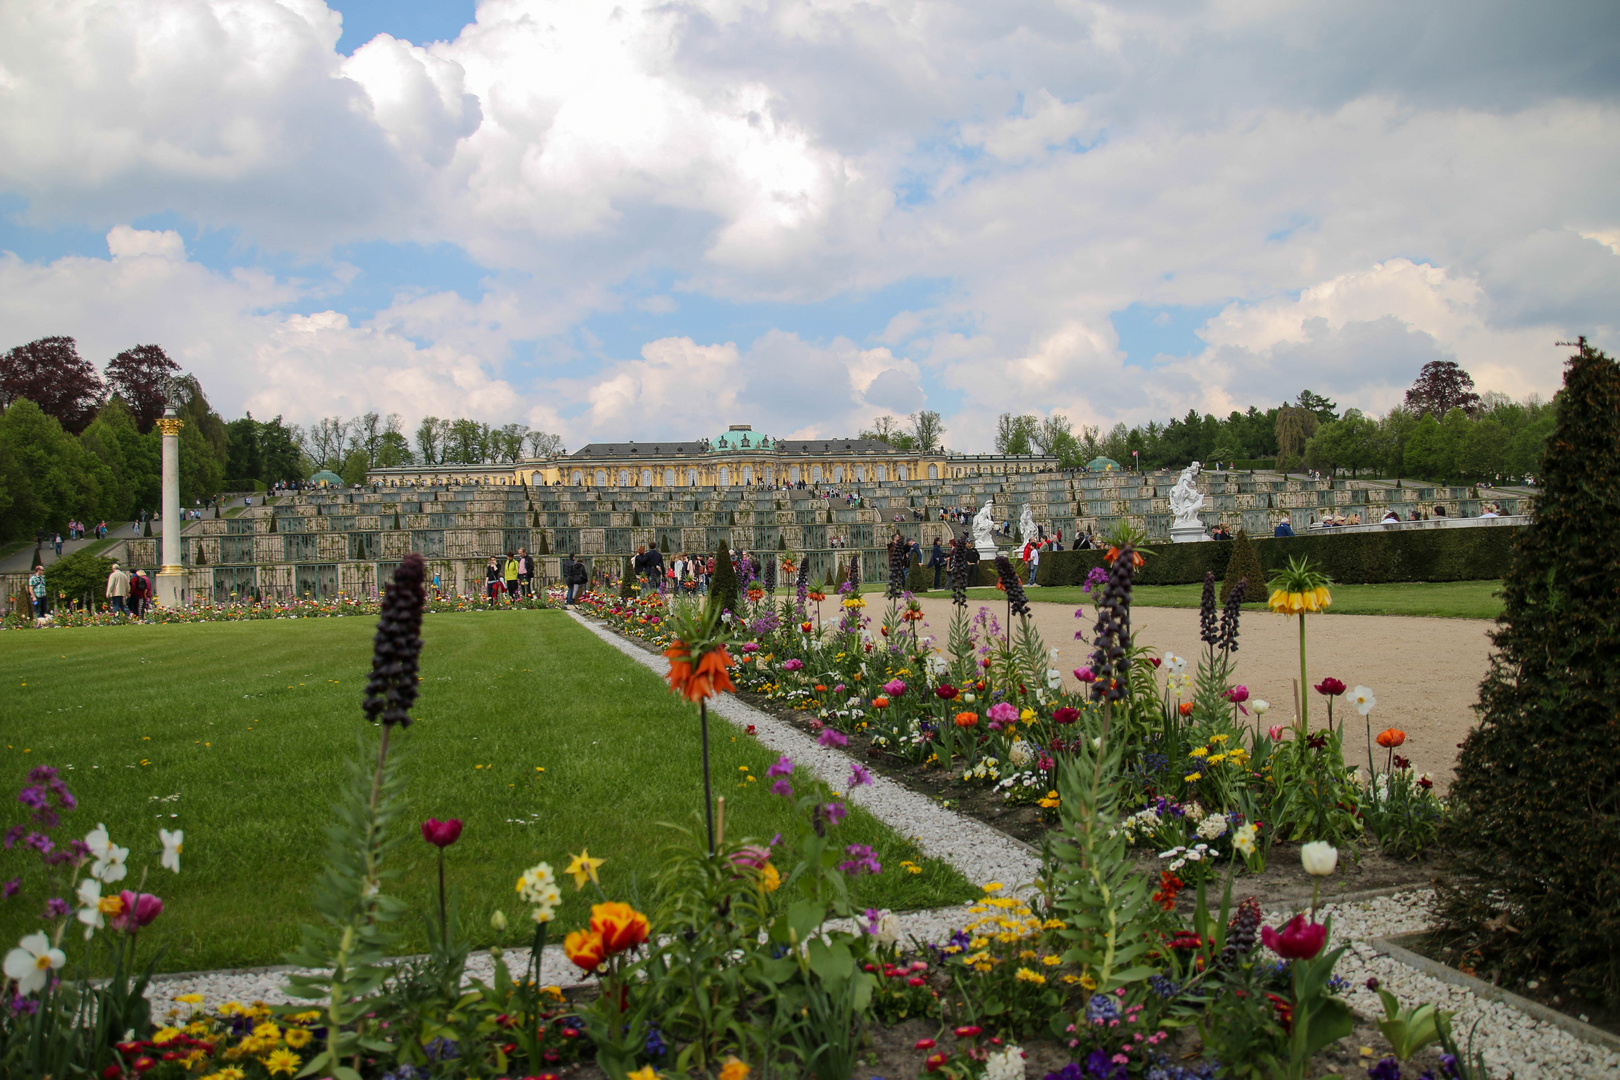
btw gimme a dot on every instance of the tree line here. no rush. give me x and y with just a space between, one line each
1442 431
81 444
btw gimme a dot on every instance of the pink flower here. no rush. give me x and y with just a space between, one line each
1085 675
1000 713
1237 695
1299 940
1330 687
1063 714
144 910
441 834
794 664
1275 731
832 737
894 688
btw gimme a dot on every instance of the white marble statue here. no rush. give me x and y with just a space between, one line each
1027 532
1186 500
984 527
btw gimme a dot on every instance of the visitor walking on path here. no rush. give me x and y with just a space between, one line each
510 573
57 543
936 559
1034 561
37 589
525 572
140 591
492 580
117 589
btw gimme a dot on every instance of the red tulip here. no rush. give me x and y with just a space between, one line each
441 834
1065 715
946 691
1299 940
143 910
1330 687
1084 674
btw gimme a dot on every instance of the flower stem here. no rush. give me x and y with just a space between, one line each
444 922
708 791
1304 681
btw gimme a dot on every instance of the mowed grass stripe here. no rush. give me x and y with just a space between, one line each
249 724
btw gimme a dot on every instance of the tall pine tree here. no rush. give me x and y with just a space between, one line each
1534 822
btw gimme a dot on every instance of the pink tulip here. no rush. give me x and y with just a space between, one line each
1237 694
793 664
1001 713
441 834
1085 675
1299 940
894 688
1275 731
144 909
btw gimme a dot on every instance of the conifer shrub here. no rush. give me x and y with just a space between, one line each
627 580
1534 817
1244 565
723 591
542 546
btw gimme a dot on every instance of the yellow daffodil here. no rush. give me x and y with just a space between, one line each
734 1070
1193 778
583 868
190 999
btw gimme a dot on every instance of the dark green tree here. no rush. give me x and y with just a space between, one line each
627 580
1244 565
1534 822
723 591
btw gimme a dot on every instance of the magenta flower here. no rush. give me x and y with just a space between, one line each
1001 713
755 857
782 788
862 860
858 776
441 834
143 910
832 737
1275 731
894 688
1063 714
1237 695
793 664
783 767
1299 940
1085 675
835 812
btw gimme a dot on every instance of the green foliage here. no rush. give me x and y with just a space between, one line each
79 575
1411 1029
724 594
1535 808
1244 565
1348 558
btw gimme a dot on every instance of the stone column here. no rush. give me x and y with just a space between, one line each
169 585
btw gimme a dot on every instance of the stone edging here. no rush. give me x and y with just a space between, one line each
1394 948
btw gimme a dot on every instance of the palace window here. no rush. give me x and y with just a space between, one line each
669 477
601 478
646 478
725 476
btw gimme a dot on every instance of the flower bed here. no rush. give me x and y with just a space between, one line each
248 611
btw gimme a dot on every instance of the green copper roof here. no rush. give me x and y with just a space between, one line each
1103 464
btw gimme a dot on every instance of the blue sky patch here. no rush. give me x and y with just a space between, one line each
1148 331
416 21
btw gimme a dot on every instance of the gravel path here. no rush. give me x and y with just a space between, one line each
1513 1043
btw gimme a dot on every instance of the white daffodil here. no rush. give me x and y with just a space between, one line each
1259 705
109 865
1243 839
1319 858
171 848
1174 664
1362 698
90 911
32 962
534 882
546 907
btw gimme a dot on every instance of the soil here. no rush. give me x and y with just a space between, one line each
1544 989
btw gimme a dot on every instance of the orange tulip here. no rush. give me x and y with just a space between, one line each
880 702
967 719
806 627
1186 708
585 950
1390 738
619 926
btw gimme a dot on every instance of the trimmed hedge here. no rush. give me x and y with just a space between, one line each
1348 558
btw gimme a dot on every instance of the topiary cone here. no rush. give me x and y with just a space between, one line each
1244 565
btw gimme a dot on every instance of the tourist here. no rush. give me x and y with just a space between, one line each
1391 516
117 589
510 573
37 589
57 543
140 593
1284 528
936 559
525 572
1439 512
1034 560
1488 512
492 580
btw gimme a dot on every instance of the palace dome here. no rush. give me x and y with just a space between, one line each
741 437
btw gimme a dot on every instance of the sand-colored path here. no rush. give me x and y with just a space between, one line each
1425 673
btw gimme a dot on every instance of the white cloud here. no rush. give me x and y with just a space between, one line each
124 242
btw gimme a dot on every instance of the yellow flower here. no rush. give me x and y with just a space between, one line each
583 867
1193 777
1217 759
229 1072
232 1008
1219 738
646 1072
190 999
770 878
1202 751
1027 715
308 1017
1051 961
196 1029
1026 975
994 886
297 1038
283 1061
267 1031
734 1070
1088 982
165 1034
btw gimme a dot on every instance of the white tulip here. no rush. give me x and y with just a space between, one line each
1259 705
1362 698
171 848
1319 858
32 962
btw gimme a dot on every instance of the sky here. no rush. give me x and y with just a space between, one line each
649 220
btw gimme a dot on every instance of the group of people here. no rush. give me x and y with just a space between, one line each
512 578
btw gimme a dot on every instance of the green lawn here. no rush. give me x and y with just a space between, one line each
1441 599
237 733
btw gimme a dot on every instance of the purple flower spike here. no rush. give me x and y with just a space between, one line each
783 788
832 737
835 812
783 767
858 776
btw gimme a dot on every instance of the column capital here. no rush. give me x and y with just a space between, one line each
170 425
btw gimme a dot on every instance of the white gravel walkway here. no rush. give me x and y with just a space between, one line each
1514 1043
